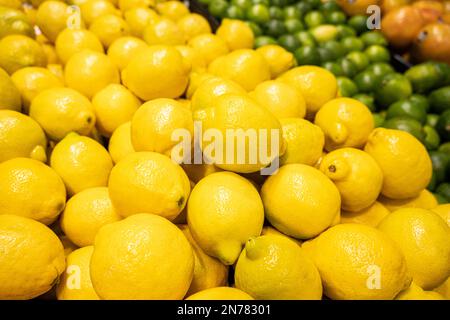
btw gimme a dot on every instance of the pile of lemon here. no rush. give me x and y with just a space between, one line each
92 206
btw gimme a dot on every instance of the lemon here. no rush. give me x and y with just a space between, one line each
9 94
108 28
274 267
278 59
357 176
425 241
197 172
90 71
71 41
414 292
280 98
50 53
236 33
14 4
300 201
425 200
271 231
21 136
75 282
174 10
31 189
33 80
19 51
92 9
304 141
121 261
444 289
192 25
123 49
125 5
317 85
155 123
62 110
51 18
444 211
208 271
370 216
196 78
232 214
209 46
56 70
32 258
85 213
165 71
113 106
14 21
148 182
163 31
220 293
245 67
81 162
138 18
404 161
120 144
193 57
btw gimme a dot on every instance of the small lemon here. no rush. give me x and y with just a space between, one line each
414 292
274 267
444 211
148 182
71 41
278 59
31 189
209 45
174 10
19 51
90 71
208 271
370 216
9 93
85 213
425 200
113 106
165 71
81 162
192 25
108 28
197 172
138 18
425 241
317 85
92 9
51 18
62 110
121 261
232 214
346 122
32 258
280 98
404 161
236 33
300 201
120 144
193 57
125 5
163 31
123 49
220 293
21 136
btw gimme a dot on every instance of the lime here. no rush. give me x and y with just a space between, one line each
218 8
440 199
292 12
440 161
324 33
348 67
440 99
305 38
352 44
432 138
275 28
445 147
432 120
347 87
407 108
380 69
359 59
335 17
329 6
367 100
345 31
334 67
393 87
443 125
444 190
409 125
377 53
293 25
307 55
289 42
366 81
336 48
235 12
421 101
359 23
244 4
276 13
423 77
264 40
371 38
258 13
313 19
378 120
444 72
257 31
314 3
303 7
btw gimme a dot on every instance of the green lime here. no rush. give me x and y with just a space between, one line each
336 48
292 12
443 126
276 13
313 19
432 139
334 67
366 81
314 3
347 87
380 69
432 119
289 42
264 40
367 100
348 67
359 23
445 147
235 12
244 4
393 87
275 28
352 44
218 8
293 25
444 190
371 38
324 33
305 38
303 7
257 31
444 72
335 17
407 108
258 13
409 125
329 6
440 99
432 184
440 199
307 55
423 77
421 101
377 53
378 120
359 59
345 31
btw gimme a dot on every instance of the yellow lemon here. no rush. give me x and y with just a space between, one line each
125 5
357 176
174 10
9 94
278 59
236 34
31 189
90 71
62 110
300 201
148 182
280 98
51 18
317 85
163 31
444 289
414 292
444 211
32 258
50 53
208 271
209 46
138 18
19 51
274 267
196 78
120 144
165 71
425 200
92 9
57 70
271 231
108 28
404 161
14 21
121 261
425 241
113 106
123 49
14 4
81 162
155 123
33 80
192 25
232 214
75 282
21 136
220 293
346 122
304 141
85 213
197 172
370 216
193 57
71 41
